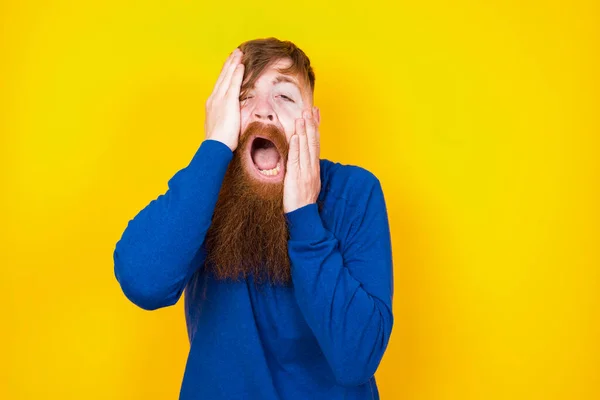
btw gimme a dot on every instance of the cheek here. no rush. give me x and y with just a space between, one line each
244 118
287 116
290 128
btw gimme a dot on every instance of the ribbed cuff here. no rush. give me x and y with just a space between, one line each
213 156
305 223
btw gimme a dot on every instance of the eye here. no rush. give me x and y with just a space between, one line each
247 97
288 99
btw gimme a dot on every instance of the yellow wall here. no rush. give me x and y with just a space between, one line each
479 118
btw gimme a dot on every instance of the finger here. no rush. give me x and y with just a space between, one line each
317 112
292 164
304 151
223 72
311 138
226 82
228 74
236 82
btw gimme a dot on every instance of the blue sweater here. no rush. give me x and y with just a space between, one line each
322 338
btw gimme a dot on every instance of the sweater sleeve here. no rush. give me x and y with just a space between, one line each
161 246
345 294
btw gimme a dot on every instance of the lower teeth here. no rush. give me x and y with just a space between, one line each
270 172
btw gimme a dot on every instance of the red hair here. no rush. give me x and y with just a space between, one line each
261 53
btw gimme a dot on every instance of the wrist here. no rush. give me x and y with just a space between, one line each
305 223
230 146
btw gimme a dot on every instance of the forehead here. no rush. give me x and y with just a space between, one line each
271 75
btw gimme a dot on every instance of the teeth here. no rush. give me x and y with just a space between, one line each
271 172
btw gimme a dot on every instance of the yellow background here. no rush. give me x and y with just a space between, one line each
479 118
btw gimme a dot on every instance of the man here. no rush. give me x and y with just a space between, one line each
285 258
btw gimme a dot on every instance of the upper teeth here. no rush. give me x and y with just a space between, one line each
271 172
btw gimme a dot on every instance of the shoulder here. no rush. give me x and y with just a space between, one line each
351 201
349 183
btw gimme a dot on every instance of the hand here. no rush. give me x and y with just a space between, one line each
223 117
302 182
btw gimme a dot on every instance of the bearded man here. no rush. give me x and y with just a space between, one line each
285 258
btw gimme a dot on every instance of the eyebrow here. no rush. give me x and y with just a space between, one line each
284 78
281 79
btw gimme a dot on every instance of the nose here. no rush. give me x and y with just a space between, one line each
263 111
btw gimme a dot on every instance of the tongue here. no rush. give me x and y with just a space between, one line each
266 158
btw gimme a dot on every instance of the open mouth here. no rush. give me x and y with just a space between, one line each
266 159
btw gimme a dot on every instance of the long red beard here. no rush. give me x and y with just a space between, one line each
249 234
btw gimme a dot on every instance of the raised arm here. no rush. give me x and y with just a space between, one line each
161 246
345 292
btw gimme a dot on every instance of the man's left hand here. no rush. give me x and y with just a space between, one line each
302 182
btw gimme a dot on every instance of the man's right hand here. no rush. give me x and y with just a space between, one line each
223 118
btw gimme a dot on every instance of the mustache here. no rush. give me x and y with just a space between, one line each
270 132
